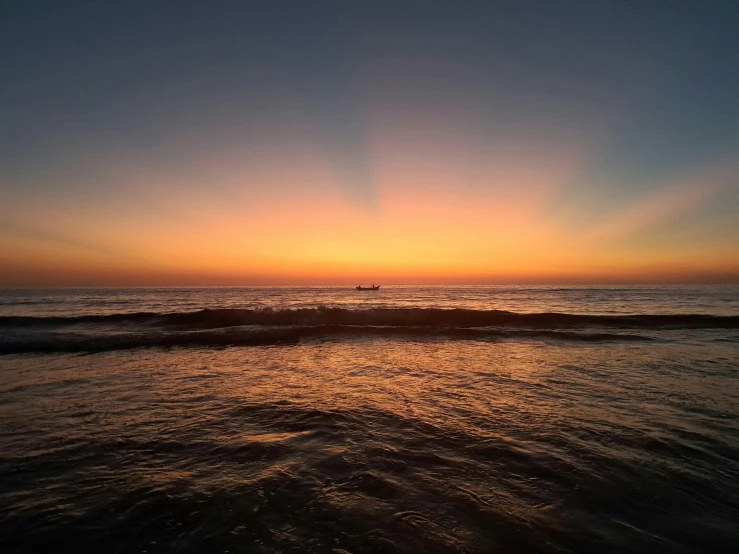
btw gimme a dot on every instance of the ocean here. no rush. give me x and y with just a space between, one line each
409 419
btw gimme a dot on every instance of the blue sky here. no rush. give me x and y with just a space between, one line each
114 107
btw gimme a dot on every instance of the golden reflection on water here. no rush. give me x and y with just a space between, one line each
440 444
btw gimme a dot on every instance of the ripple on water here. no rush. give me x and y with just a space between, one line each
379 445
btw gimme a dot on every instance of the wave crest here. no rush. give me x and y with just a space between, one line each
92 342
392 317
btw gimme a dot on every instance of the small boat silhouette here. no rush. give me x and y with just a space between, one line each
373 287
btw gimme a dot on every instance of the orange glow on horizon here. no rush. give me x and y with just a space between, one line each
493 214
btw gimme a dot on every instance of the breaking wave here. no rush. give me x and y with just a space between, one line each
93 342
390 317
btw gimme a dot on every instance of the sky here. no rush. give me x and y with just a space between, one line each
273 142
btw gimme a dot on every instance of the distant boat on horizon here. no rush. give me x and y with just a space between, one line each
373 287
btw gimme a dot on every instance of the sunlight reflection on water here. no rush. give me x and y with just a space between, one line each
375 445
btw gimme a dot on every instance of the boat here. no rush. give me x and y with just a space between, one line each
373 287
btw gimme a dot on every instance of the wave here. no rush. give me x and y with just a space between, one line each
102 342
392 317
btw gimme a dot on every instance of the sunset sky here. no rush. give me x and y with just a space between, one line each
249 142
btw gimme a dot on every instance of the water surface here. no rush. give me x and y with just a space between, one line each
436 419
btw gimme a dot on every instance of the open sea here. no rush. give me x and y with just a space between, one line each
409 419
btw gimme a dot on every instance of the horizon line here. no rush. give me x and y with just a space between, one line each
335 285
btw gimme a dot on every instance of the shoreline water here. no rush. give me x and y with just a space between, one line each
536 436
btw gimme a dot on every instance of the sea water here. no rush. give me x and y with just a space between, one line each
409 419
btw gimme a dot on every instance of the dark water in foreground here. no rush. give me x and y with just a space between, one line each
414 420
